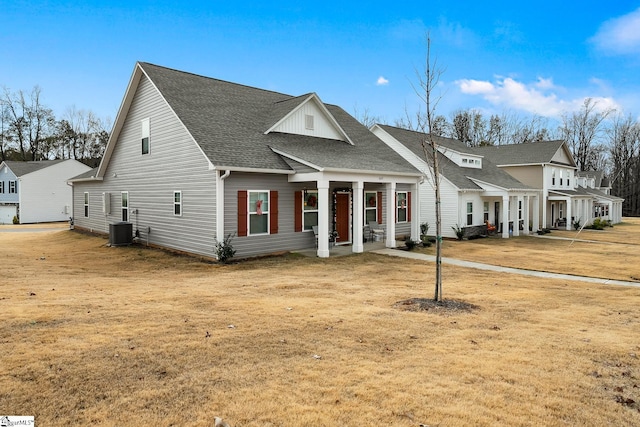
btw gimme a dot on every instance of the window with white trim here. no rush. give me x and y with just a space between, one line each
309 209
401 206
145 136
258 212
469 213
519 209
13 187
370 207
86 204
1 187
124 197
177 203
553 177
486 211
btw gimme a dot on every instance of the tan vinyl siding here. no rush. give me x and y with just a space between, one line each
174 163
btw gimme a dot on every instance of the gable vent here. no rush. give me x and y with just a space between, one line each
308 121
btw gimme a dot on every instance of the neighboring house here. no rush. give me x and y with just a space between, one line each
549 165
193 159
605 205
473 191
37 191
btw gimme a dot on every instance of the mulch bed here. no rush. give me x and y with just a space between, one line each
447 306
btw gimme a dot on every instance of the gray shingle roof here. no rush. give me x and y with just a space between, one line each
517 154
229 121
459 176
24 168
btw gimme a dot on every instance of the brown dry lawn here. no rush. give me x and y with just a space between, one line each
615 256
91 335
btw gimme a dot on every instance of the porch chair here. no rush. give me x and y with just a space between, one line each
315 233
491 229
375 229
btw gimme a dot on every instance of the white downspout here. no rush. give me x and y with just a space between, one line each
220 203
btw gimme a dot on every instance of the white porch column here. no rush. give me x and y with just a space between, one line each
516 215
536 213
358 216
544 200
323 219
525 215
220 205
569 213
415 212
390 220
505 217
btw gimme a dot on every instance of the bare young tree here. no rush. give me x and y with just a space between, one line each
426 125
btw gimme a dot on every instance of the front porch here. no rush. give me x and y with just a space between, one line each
342 250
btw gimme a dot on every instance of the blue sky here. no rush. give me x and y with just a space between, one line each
540 57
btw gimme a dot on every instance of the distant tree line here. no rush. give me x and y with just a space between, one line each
29 130
599 139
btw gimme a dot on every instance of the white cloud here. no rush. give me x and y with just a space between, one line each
537 98
382 81
619 35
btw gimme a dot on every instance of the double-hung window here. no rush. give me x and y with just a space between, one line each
258 212
486 211
1 187
86 204
125 205
370 207
310 209
145 136
401 206
177 203
13 187
469 213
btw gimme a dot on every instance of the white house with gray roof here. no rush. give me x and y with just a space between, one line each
192 159
550 165
474 191
37 191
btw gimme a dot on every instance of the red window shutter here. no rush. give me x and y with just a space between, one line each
409 206
273 212
379 207
242 213
297 212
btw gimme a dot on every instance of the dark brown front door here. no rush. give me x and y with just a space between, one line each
343 223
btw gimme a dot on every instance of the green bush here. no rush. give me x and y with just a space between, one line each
598 224
224 250
576 224
16 220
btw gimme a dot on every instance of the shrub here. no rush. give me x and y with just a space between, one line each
598 224
576 224
410 243
224 250
16 220
424 228
459 232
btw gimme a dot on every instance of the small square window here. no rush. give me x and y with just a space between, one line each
308 121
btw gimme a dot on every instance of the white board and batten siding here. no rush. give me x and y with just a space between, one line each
309 120
45 195
174 163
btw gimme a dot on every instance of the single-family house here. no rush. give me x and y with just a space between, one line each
605 205
474 193
548 165
37 191
192 159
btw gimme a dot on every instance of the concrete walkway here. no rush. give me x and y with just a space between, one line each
498 269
